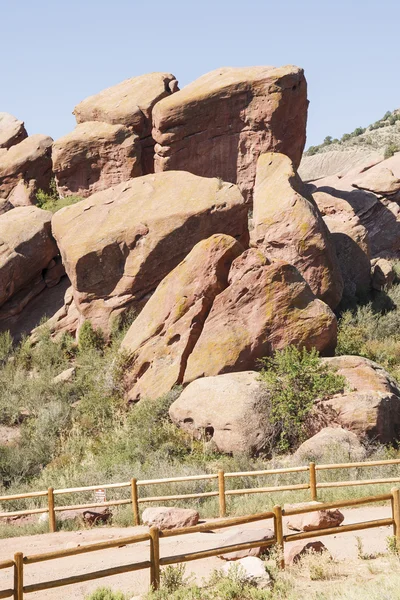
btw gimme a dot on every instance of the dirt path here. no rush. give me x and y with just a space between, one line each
341 547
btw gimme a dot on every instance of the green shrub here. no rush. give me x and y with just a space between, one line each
296 378
52 201
390 150
90 338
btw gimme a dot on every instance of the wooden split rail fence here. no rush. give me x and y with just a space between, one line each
222 493
20 563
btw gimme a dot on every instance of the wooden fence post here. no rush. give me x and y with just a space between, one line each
396 515
135 503
52 513
313 481
18 576
278 526
221 493
155 558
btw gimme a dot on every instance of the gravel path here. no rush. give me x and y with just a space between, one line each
341 547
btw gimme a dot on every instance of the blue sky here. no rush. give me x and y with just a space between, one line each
56 53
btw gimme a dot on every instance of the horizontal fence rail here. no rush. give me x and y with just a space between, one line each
136 497
154 535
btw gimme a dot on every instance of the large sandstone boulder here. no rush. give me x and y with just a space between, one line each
12 131
26 249
130 103
166 517
265 308
351 242
160 340
371 405
118 244
288 226
218 125
333 440
312 521
27 165
232 409
95 156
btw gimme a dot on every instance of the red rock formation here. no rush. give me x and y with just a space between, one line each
265 308
27 165
288 226
218 125
118 244
130 103
94 157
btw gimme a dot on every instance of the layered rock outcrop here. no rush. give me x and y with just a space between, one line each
25 168
118 244
377 210
230 409
94 157
371 405
12 131
27 250
287 225
130 103
265 308
218 125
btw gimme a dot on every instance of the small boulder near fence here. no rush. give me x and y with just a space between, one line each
319 519
246 536
297 550
165 517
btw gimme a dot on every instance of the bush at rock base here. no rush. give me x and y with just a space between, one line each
296 378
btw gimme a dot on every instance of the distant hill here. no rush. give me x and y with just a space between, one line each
364 145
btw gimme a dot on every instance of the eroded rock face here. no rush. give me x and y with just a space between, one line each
288 226
26 249
167 517
218 125
265 308
331 439
371 406
95 156
12 131
118 244
130 103
28 165
232 409
351 242
166 331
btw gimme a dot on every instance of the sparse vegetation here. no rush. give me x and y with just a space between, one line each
372 330
349 139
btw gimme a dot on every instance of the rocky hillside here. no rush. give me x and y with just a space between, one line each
186 208
364 146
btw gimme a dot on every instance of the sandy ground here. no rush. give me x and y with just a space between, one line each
343 546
